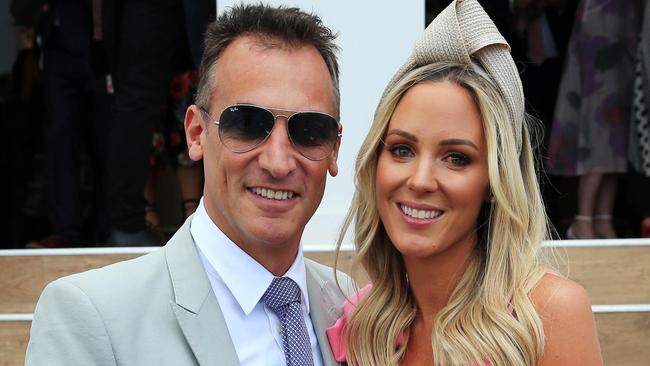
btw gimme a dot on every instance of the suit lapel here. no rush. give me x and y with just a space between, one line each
195 306
323 312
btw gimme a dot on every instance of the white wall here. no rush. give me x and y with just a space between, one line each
375 38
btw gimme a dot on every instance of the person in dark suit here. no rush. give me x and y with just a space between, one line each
76 84
232 286
154 36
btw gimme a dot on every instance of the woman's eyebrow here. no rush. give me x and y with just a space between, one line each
458 142
403 133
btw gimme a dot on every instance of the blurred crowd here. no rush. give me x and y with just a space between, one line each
94 109
93 113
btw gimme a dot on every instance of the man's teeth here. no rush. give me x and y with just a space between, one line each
420 214
271 194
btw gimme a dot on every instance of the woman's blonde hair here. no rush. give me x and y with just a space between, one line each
489 315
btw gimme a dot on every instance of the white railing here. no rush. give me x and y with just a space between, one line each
306 248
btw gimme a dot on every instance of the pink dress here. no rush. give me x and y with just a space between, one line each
336 333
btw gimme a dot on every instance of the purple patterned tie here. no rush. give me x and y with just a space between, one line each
283 297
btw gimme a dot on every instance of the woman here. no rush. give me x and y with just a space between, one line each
449 219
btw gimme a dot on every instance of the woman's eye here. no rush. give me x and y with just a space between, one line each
458 159
400 151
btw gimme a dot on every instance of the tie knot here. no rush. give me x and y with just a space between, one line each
282 292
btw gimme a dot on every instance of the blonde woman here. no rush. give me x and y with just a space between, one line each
449 219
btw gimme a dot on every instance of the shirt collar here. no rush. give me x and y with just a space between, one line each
245 278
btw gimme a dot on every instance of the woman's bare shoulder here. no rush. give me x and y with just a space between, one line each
569 328
554 292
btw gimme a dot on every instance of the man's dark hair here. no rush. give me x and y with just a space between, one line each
291 26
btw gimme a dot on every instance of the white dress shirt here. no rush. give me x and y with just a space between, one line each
238 281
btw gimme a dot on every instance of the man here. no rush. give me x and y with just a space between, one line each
212 295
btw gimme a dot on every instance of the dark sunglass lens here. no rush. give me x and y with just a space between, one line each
243 127
313 134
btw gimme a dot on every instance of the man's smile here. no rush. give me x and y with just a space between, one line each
279 195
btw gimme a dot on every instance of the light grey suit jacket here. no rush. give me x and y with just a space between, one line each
158 309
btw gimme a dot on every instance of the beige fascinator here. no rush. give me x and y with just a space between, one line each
464 32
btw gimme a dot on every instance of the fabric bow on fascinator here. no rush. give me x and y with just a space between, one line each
464 32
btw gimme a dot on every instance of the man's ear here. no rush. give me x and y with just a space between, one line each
333 167
194 126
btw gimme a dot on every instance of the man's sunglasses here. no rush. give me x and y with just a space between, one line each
243 127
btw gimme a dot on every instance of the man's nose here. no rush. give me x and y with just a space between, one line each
278 156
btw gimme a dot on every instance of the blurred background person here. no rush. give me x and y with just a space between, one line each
77 90
155 37
22 112
169 148
639 147
590 129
